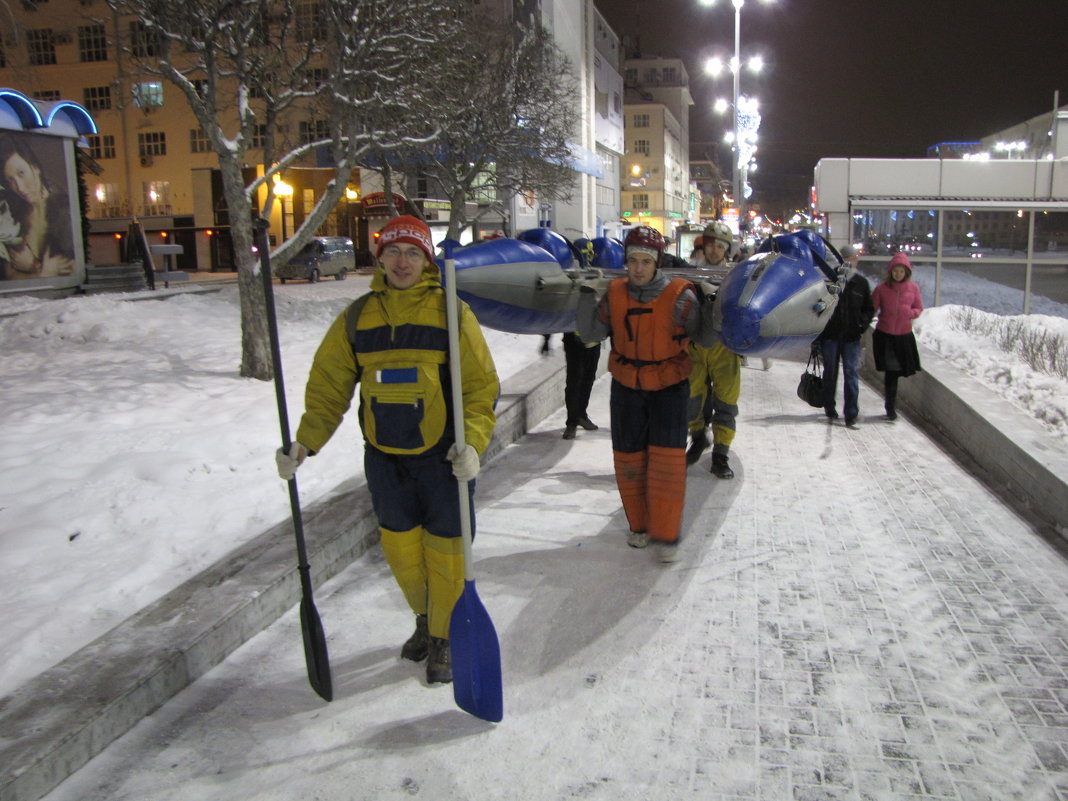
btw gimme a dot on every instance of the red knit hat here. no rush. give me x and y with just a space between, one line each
409 229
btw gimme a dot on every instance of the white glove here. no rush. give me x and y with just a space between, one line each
465 463
289 462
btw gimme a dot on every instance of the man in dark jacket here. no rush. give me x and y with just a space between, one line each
840 339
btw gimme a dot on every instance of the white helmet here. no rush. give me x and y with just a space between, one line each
719 230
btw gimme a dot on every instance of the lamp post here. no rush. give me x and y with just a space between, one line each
285 192
736 68
738 173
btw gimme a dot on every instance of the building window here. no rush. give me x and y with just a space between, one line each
641 120
640 201
313 131
259 135
630 76
258 91
198 141
106 200
143 41
200 86
92 43
101 146
148 94
157 198
316 77
97 98
41 45
152 143
641 146
309 22
46 94
670 75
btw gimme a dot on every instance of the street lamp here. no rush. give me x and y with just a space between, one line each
285 192
714 67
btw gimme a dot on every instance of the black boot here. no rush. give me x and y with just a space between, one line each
698 445
890 395
720 466
439 665
418 644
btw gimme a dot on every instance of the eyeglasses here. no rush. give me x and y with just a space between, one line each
411 253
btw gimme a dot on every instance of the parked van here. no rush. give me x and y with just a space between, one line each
322 256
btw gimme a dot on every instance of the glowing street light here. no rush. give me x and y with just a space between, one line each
715 67
285 192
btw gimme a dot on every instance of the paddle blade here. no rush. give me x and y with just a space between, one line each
315 650
476 658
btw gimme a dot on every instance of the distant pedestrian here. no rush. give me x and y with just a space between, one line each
581 360
394 352
840 339
897 302
650 319
671 262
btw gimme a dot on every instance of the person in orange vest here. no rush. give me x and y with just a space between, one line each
650 319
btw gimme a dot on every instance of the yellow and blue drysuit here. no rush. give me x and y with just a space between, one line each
397 351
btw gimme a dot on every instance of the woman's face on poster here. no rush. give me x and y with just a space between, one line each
22 178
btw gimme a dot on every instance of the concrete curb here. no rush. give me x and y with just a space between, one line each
60 720
1014 454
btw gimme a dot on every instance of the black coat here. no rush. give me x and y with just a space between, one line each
853 314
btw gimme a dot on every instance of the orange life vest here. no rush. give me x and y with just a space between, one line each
648 348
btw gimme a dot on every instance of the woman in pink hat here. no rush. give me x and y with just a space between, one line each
897 303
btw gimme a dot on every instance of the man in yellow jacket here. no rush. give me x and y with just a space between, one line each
394 344
716 380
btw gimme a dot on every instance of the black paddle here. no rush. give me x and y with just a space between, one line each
476 653
312 628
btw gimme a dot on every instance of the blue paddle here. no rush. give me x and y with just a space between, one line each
476 653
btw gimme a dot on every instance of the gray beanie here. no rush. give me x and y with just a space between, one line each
848 251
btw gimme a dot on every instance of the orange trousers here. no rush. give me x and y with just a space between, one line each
649 452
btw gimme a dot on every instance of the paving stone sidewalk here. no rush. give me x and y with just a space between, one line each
854 617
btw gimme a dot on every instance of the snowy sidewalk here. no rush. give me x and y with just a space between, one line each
854 617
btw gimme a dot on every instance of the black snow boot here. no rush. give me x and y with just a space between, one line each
720 466
439 665
698 445
418 644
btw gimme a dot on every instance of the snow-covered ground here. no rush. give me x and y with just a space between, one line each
855 617
133 455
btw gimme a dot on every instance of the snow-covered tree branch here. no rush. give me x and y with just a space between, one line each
346 74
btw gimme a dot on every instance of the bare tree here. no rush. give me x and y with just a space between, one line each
247 68
508 111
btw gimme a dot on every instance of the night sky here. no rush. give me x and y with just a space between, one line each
863 78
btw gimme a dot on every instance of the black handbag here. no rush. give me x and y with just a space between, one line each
810 388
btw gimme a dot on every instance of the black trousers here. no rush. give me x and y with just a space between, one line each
579 376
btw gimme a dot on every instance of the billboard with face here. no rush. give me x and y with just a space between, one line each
39 230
